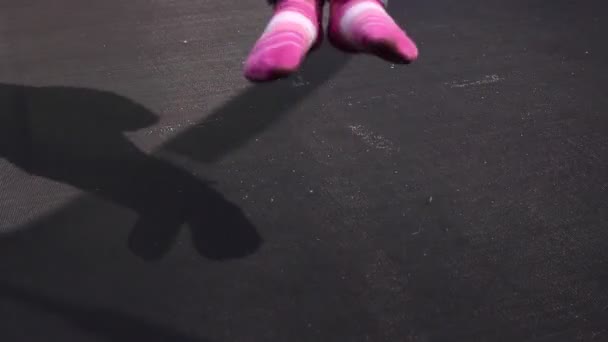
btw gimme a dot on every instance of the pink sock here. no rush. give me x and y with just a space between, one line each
293 30
364 26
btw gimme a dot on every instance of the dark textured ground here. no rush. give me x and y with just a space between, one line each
154 195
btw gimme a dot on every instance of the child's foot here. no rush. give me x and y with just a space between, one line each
365 26
293 30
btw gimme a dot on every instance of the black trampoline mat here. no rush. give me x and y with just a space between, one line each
149 193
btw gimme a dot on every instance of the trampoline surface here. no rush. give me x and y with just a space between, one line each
149 193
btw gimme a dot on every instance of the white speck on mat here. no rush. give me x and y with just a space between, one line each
372 139
487 79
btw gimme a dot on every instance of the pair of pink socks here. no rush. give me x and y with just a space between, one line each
354 26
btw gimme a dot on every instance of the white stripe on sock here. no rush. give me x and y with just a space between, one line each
295 18
273 47
294 36
354 12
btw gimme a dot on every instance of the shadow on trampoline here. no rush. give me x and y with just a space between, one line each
109 324
76 137
255 110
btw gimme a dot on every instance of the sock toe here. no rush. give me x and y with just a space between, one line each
290 34
365 26
273 63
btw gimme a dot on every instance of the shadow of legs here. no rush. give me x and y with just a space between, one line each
255 110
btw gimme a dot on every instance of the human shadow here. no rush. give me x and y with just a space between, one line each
108 324
76 136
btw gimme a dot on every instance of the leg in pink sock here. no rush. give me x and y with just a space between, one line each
365 26
293 30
